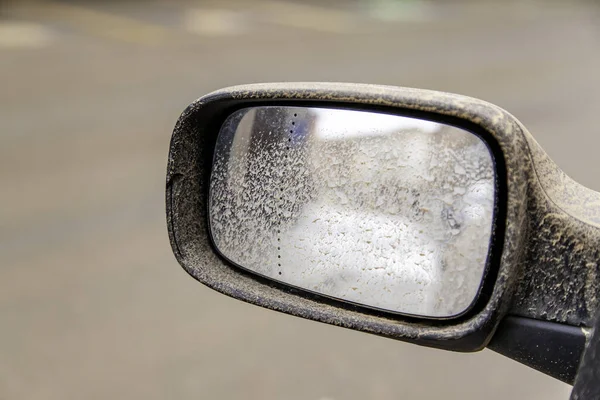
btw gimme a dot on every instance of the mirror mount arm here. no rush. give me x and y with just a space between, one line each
559 279
549 347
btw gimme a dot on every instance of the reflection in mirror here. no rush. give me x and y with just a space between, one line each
389 212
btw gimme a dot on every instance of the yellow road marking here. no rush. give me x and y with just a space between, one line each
23 34
307 16
99 23
214 22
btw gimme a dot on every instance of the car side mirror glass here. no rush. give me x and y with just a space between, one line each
386 211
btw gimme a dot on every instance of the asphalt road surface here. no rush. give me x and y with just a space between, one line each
92 303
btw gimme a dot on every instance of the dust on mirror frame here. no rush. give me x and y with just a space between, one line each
307 185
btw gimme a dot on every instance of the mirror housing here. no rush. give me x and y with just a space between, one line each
544 257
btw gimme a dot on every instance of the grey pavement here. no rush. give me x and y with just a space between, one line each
93 304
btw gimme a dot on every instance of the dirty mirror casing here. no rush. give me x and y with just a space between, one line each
389 212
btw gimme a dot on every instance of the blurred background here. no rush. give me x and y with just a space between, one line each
92 302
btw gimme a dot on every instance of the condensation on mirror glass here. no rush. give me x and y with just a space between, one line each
390 212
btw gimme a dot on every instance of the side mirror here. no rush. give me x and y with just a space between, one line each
417 215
